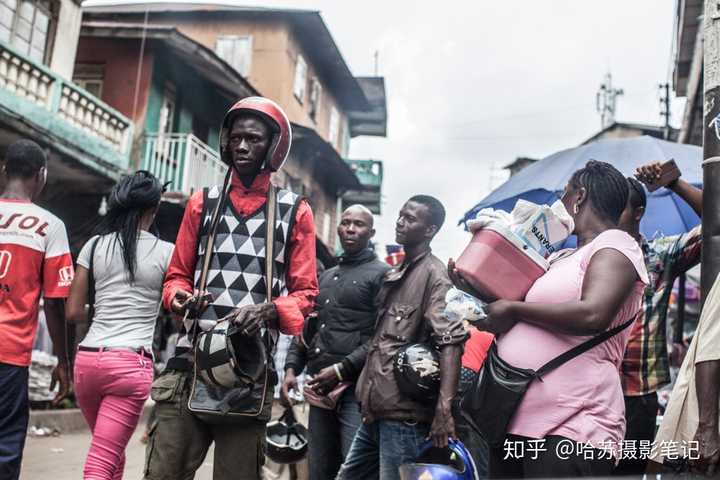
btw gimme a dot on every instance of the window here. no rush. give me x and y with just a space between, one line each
300 78
90 77
315 93
25 24
327 227
334 126
237 51
167 110
345 139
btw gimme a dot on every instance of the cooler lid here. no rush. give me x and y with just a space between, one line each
515 239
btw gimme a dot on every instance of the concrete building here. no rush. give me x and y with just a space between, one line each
629 130
87 141
519 164
287 55
688 71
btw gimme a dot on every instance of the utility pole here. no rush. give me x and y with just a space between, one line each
665 107
606 101
377 62
711 147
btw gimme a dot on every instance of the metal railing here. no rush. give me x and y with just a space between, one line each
184 160
38 84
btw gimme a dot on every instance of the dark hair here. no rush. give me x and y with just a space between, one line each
23 159
437 211
638 197
128 200
607 188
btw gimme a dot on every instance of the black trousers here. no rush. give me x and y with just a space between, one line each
527 461
640 420
14 415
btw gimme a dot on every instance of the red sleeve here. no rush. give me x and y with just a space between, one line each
181 271
57 265
302 280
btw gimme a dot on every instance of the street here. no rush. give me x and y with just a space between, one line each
62 458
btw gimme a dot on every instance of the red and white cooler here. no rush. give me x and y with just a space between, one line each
499 264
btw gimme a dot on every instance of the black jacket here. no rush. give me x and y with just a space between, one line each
346 314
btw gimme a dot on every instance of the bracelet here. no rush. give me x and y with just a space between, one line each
337 371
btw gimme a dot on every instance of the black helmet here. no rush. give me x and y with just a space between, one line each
286 439
228 358
417 372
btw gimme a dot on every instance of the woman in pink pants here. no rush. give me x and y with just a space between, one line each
120 272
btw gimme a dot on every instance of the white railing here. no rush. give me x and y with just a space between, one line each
23 78
88 113
38 84
184 160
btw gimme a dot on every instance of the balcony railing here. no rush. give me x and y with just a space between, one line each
184 160
369 172
63 108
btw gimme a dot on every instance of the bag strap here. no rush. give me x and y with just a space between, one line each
91 282
209 245
582 348
270 216
270 240
215 219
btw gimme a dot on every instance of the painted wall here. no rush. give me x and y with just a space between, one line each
197 100
272 70
120 59
67 32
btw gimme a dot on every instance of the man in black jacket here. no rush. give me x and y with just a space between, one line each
332 342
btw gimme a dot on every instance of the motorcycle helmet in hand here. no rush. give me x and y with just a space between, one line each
417 372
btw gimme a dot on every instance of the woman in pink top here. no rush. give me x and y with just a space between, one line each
576 411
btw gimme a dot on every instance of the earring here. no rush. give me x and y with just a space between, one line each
576 209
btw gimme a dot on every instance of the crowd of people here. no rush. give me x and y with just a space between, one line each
242 277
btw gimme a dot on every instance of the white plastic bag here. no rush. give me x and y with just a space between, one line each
463 306
486 216
546 228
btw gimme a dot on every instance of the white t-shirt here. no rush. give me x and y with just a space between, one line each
125 313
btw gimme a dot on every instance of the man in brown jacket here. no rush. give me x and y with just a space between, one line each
411 303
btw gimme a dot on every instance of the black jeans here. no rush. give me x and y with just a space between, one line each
14 416
331 433
640 420
528 462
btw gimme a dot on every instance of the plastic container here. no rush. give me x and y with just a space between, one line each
500 265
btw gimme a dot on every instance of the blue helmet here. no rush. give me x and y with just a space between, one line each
451 463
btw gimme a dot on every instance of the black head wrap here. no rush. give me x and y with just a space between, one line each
141 190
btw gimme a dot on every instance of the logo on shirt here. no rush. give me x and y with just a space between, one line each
5 259
66 276
24 222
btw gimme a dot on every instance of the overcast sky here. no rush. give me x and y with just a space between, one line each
473 84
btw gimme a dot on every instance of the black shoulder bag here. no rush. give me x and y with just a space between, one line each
490 403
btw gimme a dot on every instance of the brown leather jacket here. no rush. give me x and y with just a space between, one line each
411 303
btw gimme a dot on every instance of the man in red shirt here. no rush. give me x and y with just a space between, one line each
254 141
34 260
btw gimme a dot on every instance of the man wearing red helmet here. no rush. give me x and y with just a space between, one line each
254 141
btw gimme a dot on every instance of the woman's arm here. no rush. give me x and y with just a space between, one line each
608 281
75 311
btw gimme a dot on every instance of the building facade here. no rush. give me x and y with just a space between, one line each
88 142
291 57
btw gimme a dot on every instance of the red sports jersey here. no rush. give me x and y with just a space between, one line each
34 258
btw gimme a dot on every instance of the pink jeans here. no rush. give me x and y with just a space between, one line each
111 387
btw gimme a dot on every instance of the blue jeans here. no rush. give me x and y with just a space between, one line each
331 434
14 415
381 447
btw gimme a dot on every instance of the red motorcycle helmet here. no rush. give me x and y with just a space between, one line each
276 119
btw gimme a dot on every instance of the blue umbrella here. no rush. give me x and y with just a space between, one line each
543 182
